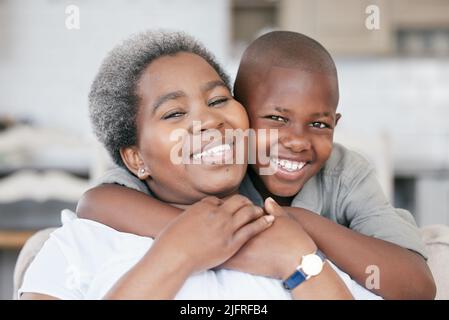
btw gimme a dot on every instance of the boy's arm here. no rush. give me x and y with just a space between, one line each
108 203
402 273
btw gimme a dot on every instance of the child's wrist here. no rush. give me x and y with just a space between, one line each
293 260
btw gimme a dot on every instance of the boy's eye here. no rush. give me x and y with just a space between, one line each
175 114
319 125
277 118
218 101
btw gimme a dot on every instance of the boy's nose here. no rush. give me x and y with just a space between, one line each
295 143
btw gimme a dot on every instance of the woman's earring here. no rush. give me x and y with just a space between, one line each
141 173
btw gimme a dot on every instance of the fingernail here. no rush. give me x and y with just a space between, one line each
269 218
270 199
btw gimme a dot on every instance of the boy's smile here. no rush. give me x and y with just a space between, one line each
301 105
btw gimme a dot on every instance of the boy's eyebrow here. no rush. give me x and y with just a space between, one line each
322 114
166 97
313 115
212 85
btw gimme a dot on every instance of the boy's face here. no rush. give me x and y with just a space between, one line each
301 105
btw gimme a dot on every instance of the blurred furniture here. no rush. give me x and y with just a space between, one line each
11 241
375 149
435 237
27 254
14 239
341 25
42 171
19 220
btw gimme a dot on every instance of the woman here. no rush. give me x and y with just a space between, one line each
153 84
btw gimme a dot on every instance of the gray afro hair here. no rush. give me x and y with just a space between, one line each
113 103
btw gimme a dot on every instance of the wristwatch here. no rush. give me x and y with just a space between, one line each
311 265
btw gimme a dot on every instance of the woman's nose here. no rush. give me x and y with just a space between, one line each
207 119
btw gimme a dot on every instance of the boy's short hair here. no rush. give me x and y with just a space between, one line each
113 102
283 49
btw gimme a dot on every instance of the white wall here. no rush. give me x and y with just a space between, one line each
46 69
406 99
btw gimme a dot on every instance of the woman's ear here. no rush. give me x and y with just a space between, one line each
134 162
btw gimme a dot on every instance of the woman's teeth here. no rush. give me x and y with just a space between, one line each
213 152
288 165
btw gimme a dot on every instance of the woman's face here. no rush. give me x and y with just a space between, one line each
174 92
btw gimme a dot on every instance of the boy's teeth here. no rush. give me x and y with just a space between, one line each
288 165
222 148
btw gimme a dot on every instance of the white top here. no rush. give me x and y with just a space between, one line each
83 259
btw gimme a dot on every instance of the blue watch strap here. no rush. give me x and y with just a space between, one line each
294 280
320 254
298 277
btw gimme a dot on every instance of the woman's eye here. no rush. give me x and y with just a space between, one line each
217 102
175 114
277 118
319 125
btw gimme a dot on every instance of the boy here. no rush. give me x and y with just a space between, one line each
288 82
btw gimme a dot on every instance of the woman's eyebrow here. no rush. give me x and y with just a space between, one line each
166 97
213 84
180 94
281 109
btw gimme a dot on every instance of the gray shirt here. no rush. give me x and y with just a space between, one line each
345 190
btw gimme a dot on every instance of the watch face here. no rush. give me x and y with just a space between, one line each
312 264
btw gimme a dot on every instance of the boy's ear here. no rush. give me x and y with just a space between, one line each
134 162
337 117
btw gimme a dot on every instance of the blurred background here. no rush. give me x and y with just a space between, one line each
393 64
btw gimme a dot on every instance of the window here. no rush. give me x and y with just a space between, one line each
251 18
423 42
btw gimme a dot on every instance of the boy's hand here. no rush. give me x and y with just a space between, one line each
273 208
275 252
212 230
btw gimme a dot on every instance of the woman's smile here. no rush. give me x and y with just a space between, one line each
215 154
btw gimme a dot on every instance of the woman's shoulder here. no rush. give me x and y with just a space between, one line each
90 237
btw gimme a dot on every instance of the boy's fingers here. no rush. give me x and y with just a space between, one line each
246 215
235 203
250 230
273 208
